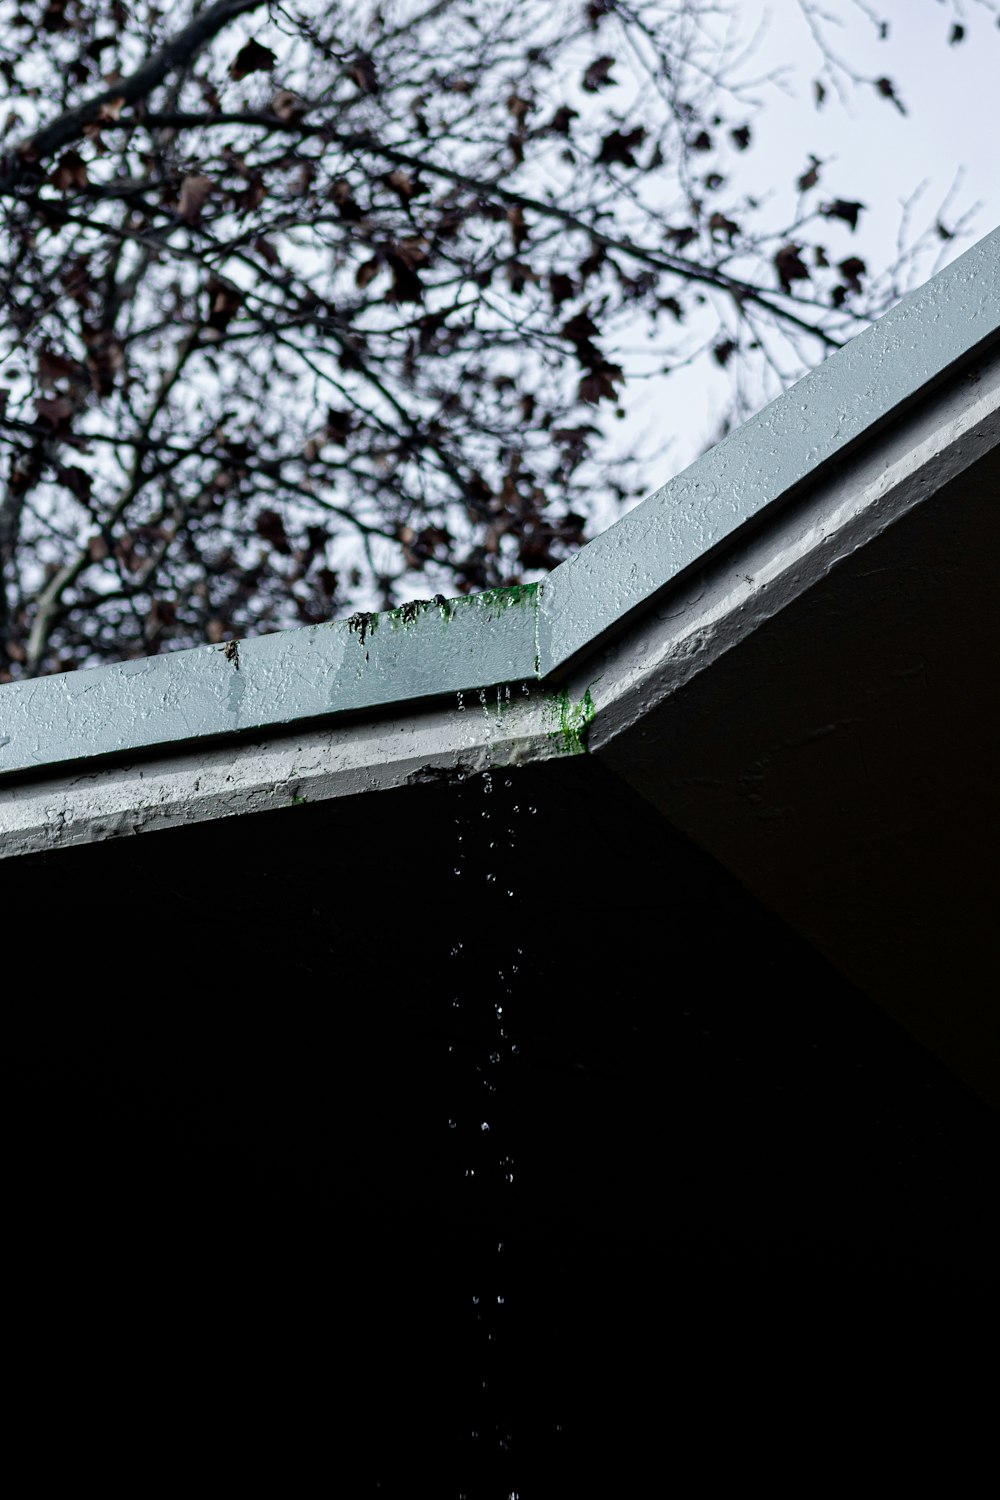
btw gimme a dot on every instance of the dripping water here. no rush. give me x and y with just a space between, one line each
485 836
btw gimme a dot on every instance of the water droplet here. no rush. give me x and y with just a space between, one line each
508 782
452 1124
485 1125
494 1058
500 1300
456 871
475 1301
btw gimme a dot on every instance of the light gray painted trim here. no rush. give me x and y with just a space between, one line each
293 676
406 656
179 788
714 610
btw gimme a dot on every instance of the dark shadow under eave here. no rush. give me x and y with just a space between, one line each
227 1124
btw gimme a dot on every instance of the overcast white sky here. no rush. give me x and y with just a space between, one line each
950 96
871 153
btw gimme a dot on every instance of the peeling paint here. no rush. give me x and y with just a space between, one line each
363 624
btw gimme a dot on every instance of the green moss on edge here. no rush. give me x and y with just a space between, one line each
574 721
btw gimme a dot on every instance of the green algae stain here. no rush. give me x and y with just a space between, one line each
408 614
494 602
520 595
574 720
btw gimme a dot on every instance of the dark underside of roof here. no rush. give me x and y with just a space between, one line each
231 1055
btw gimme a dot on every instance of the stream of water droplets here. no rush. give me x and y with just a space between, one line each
486 832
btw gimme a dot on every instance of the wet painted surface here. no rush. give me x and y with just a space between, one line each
365 663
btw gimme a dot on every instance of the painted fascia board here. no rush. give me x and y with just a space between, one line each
399 657
179 787
363 665
713 611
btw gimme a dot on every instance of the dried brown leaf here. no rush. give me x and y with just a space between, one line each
53 366
194 192
562 120
367 272
598 75
70 172
55 410
619 146
841 208
790 266
810 176
253 58
362 70
852 271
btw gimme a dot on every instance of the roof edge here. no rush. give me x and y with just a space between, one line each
435 648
